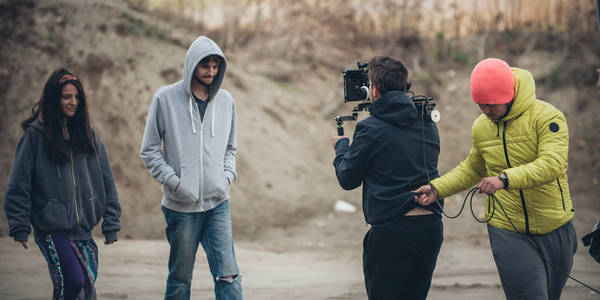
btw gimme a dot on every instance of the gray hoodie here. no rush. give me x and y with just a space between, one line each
180 148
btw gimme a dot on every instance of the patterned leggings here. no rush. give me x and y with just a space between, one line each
72 266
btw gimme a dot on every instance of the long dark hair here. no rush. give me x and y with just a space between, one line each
49 111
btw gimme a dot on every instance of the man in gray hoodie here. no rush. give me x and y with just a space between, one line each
189 147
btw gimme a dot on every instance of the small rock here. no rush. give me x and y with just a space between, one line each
344 206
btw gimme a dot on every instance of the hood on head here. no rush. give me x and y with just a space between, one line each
199 49
395 107
524 93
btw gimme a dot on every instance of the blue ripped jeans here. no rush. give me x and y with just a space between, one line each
213 230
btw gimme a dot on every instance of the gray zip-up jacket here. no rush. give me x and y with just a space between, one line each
67 199
180 148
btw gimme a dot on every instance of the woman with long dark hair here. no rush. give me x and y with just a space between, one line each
62 185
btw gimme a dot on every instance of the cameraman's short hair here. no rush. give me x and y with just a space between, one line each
387 74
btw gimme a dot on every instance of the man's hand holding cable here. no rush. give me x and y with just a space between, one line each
490 185
425 195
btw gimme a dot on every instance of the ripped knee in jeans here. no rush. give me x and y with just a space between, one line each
228 278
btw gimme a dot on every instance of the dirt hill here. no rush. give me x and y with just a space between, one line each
286 80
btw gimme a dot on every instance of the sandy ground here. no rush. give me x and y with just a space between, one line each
137 269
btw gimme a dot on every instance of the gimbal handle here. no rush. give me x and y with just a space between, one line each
340 122
340 119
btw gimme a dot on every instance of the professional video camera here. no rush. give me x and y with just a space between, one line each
356 88
356 83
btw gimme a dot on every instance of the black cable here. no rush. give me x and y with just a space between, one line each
441 210
492 200
493 204
534 246
495 200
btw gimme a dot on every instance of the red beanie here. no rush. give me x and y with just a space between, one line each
492 82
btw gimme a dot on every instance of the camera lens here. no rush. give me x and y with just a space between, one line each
364 92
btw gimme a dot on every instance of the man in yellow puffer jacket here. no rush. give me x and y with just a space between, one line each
519 155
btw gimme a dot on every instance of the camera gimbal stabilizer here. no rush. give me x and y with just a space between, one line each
340 119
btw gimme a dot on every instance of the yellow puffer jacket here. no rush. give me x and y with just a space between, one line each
531 146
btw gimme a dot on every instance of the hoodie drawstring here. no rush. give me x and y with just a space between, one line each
498 132
192 114
212 123
212 120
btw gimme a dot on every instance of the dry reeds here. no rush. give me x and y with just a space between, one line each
383 18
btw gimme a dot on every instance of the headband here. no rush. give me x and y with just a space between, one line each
68 77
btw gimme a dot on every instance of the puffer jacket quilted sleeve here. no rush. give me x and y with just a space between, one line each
468 173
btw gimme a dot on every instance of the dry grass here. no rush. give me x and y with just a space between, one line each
310 35
382 18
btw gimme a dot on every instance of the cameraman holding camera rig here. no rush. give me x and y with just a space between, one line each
387 157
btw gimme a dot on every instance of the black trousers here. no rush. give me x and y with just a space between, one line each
399 259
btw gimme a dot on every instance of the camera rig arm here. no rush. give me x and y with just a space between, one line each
340 119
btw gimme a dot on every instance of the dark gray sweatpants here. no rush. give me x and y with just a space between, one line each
523 273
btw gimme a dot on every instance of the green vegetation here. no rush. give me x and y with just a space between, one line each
440 46
50 38
552 79
283 83
462 58
140 27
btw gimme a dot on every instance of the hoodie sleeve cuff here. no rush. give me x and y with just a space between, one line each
230 176
21 236
111 236
172 182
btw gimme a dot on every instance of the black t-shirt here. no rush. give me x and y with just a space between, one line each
201 106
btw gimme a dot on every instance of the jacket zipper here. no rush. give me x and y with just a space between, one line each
201 161
520 191
561 194
74 190
201 155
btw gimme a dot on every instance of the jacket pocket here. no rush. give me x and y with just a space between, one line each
188 189
53 217
226 185
562 196
94 210
216 185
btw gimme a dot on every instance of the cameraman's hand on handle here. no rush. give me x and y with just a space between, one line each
490 185
425 195
336 138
